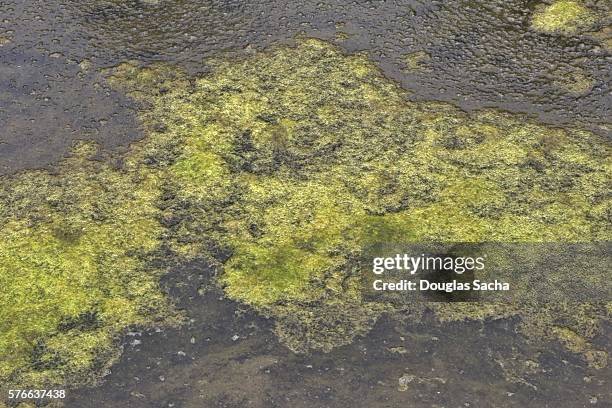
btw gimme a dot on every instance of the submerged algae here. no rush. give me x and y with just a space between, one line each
73 270
294 167
574 81
563 16
281 167
416 60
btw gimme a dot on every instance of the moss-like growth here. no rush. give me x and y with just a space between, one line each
289 162
294 168
73 273
563 17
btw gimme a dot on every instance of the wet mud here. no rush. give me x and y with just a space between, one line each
228 357
48 103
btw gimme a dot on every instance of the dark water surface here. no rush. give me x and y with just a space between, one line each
228 357
479 54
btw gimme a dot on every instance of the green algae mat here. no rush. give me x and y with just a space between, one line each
280 168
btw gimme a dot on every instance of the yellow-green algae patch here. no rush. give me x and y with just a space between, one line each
416 60
574 81
563 16
296 159
291 161
73 273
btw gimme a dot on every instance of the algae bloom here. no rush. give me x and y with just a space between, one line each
73 269
563 16
294 167
281 168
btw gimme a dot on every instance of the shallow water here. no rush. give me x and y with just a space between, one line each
480 54
475 54
476 364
